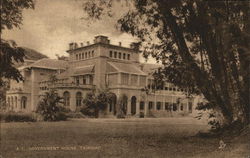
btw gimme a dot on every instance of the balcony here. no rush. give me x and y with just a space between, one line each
72 85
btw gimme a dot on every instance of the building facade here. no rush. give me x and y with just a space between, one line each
101 65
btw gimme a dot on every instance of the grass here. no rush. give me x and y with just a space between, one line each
171 138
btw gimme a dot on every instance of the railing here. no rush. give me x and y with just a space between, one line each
73 85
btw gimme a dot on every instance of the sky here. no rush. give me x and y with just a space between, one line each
53 24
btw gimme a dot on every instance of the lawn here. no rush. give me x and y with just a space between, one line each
168 137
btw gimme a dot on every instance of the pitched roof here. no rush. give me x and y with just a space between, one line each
89 69
49 64
126 68
150 68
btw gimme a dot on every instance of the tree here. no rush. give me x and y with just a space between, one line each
96 101
49 107
11 16
203 45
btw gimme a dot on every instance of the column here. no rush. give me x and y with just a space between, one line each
72 101
138 80
129 107
137 107
129 80
119 79
146 108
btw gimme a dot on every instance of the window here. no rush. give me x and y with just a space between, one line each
181 106
167 107
124 79
158 106
12 102
77 81
66 97
82 55
120 55
174 89
142 105
86 55
78 99
92 53
150 105
23 102
115 54
110 54
134 80
190 107
128 56
76 56
124 56
9 101
15 102
84 80
91 79
174 107
142 81
89 55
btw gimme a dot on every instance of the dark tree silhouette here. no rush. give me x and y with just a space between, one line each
203 45
11 16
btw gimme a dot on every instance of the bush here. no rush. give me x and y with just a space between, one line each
49 107
75 115
17 117
61 116
88 111
141 115
52 113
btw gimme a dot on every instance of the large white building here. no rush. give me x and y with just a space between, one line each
98 66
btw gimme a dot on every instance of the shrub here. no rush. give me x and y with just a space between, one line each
50 109
17 117
61 116
88 111
75 115
141 115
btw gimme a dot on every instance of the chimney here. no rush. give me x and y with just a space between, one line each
76 45
88 43
71 46
101 39
120 44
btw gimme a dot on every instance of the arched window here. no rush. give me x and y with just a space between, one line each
158 105
23 102
78 99
174 107
12 102
9 101
128 57
142 105
66 97
15 102
110 54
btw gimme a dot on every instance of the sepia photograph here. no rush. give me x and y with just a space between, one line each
125 79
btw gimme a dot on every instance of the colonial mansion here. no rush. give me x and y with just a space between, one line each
98 66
